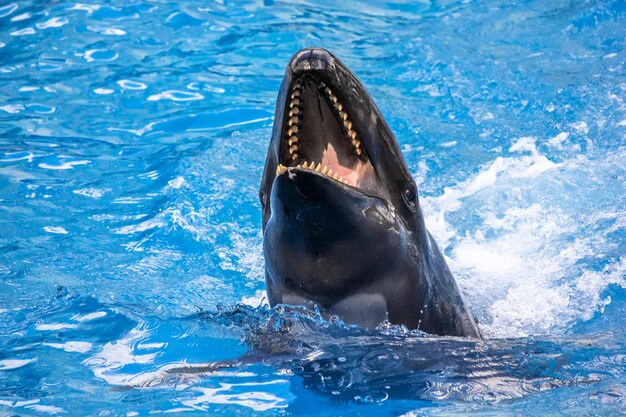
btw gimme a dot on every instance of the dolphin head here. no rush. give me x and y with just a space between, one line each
325 116
339 204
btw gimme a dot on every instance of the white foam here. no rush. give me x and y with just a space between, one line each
245 254
558 140
92 192
516 167
177 183
580 127
522 263
257 300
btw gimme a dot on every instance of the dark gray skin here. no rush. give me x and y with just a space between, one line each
359 252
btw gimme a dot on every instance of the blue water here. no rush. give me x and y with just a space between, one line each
132 141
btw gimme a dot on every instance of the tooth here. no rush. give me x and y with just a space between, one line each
340 107
292 140
292 130
294 156
318 168
294 103
325 170
334 98
348 125
293 121
328 91
295 94
344 116
293 148
336 177
304 165
294 111
358 151
353 135
278 170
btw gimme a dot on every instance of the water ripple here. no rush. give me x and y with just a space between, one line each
101 55
176 95
132 85
132 140
7 10
55 22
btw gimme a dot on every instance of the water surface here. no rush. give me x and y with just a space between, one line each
132 141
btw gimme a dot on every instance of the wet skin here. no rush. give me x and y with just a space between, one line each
342 225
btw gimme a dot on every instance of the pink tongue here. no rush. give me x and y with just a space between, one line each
354 176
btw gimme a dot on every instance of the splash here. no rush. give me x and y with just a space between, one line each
522 260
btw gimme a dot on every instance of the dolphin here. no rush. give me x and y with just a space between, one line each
343 231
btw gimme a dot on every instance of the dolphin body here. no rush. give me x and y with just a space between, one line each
343 230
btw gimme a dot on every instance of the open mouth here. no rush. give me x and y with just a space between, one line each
318 135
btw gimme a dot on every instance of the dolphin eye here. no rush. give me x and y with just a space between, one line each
263 198
409 194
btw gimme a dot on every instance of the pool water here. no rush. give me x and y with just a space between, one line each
132 140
